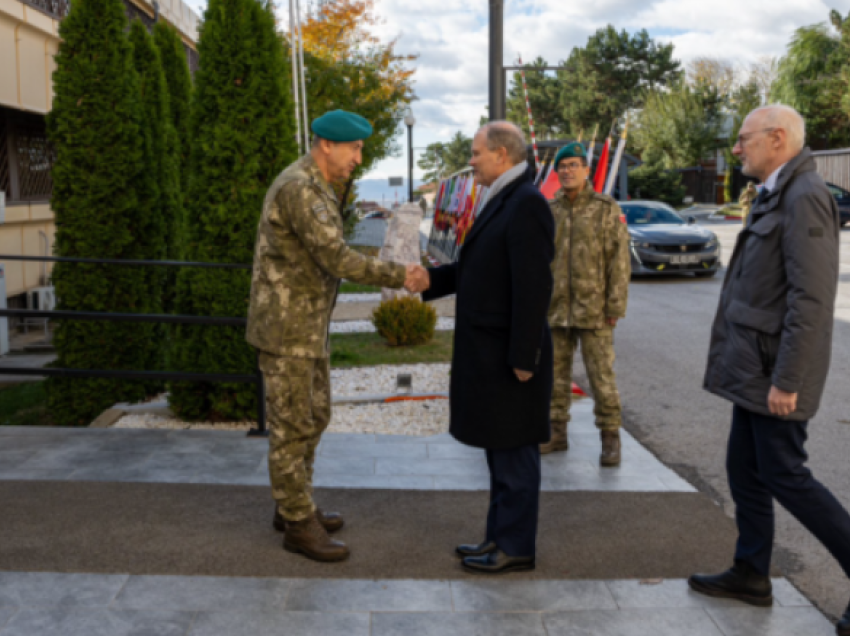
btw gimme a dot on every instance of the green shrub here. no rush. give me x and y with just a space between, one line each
101 208
405 321
652 182
242 137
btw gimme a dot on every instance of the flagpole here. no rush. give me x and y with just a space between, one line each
621 146
592 149
295 98
303 72
528 109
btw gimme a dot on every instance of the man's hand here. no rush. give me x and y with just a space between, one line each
523 376
611 322
417 279
780 402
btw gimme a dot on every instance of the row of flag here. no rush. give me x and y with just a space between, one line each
459 199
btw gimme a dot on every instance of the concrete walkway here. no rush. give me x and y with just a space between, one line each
52 604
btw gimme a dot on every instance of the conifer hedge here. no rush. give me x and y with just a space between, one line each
100 208
242 136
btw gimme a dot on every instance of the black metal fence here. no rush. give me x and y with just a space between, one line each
138 374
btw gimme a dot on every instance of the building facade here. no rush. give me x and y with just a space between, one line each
29 40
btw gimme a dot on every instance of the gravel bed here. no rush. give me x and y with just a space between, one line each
381 380
427 417
365 326
359 298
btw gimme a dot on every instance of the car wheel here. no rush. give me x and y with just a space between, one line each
705 274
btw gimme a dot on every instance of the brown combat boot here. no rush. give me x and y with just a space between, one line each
610 455
559 441
309 538
332 521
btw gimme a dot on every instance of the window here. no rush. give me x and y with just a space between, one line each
26 157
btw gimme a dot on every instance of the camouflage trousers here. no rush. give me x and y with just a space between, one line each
597 351
298 410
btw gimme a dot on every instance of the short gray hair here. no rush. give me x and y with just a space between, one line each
785 117
504 134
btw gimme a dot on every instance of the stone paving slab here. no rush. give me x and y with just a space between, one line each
44 604
344 460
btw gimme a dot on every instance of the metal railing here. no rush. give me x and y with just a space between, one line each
137 374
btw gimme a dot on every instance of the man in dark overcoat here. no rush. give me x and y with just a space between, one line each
501 380
770 350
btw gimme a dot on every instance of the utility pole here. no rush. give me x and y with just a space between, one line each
497 75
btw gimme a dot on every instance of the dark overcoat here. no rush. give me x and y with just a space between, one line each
503 282
774 320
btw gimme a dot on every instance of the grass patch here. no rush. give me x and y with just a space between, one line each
355 288
24 404
367 349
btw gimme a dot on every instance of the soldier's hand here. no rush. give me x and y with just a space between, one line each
523 376
417 279
611 322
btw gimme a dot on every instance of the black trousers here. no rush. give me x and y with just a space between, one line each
765 461
514 499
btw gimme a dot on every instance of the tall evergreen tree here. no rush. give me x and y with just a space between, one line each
543 95
95 128
159 185
242 137
179 80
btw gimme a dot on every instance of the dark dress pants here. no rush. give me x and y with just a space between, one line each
765 461
514 499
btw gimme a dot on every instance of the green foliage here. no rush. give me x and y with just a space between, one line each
654 183
613 74
544 93
405 321
680 127
159 185
370 349
813 78
242 136
440 160
179 80
102 207
24 405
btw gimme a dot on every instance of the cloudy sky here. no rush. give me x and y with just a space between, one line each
451 37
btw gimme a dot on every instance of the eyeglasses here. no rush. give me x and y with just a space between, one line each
742 139
570 167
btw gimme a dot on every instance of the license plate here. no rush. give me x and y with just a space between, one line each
683 259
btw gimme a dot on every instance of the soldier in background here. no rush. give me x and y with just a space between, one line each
748 195
591 271
299 259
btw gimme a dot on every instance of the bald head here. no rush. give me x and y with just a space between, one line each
770 137
496 148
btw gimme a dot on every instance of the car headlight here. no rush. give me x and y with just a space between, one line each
712 243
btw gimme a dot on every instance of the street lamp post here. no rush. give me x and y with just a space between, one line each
409 120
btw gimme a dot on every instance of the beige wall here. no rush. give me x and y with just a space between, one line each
29 41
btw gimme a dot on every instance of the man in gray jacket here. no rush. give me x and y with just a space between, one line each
769 354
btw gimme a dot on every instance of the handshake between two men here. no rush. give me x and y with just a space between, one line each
417 279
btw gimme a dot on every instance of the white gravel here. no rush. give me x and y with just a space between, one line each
427 417
366 326
381 380
359 298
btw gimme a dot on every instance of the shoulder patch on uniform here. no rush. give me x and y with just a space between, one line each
815 232
321 211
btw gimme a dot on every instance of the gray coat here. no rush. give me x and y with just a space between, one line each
774 320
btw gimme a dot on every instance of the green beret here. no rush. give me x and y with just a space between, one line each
574 149
339 125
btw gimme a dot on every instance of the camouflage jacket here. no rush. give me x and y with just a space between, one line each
299 258
592 266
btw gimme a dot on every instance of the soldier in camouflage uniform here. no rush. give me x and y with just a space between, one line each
591 271
299 258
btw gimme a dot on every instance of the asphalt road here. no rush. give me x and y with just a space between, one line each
661 350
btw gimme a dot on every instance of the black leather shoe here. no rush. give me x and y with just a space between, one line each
842 627
474 550
740 582
497 563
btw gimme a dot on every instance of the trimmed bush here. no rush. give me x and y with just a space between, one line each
655 183
100 208
242 136
405 321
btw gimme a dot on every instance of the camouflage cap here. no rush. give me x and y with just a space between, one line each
574 149
339 125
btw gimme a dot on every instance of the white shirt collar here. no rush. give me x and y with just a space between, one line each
770 183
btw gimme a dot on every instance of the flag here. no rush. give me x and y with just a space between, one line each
602 166
551 184
592 148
